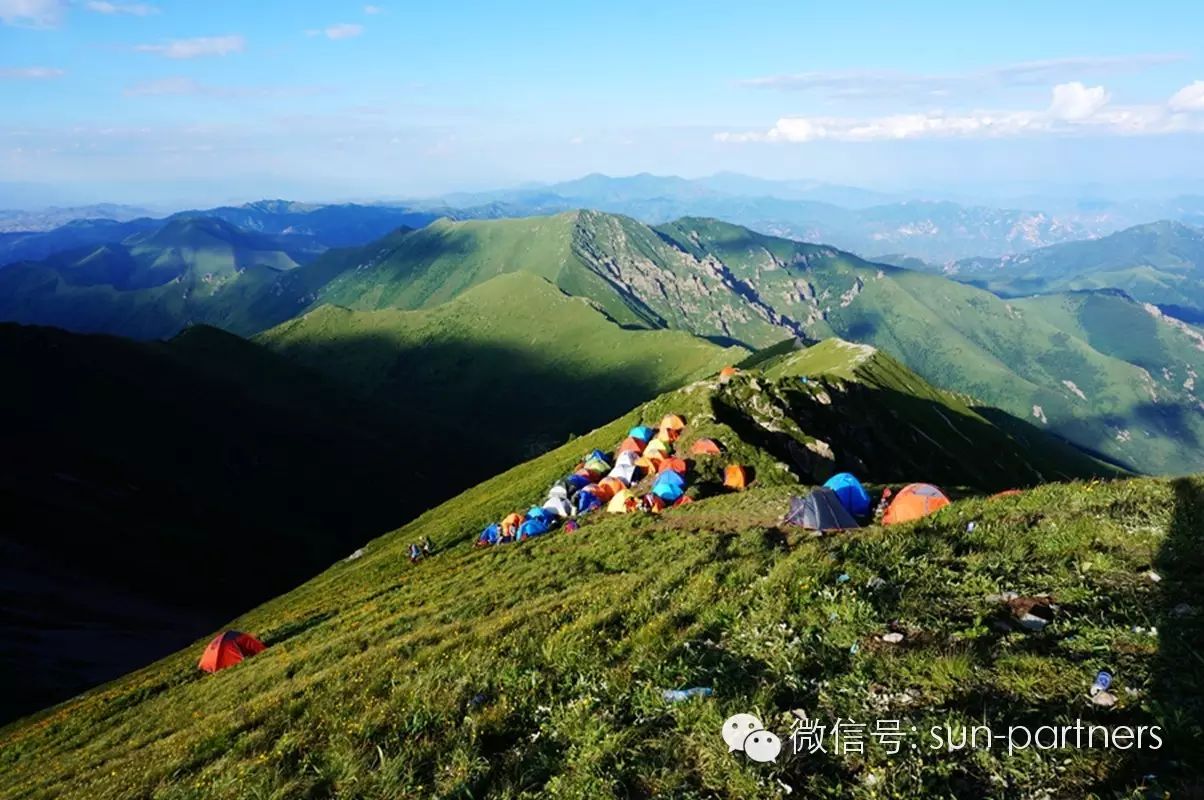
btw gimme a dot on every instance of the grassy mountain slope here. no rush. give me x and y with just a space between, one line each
1170 350
623 266
199 475
152 283
1160 263
727 283
966 339
513 350
536 669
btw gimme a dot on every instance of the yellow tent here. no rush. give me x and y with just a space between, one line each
622 502
656 447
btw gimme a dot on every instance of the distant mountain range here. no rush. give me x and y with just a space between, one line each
26 221
865 222
1161 263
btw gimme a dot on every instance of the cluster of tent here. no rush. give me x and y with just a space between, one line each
602 481
843 503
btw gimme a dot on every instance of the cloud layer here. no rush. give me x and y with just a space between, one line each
862 84
197 47
32 13
343 30
132 9
1073 109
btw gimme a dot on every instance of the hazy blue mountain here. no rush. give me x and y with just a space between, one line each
46 219
1160 263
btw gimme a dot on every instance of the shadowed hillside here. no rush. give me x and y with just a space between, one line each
537 668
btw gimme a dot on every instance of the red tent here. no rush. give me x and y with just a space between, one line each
227 649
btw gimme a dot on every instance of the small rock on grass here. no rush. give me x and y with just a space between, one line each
1105 699
892 638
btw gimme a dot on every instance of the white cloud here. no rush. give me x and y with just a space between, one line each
857 84
1074 108
31 73
371 10
32 13
1189 98
1073 100
344 30
132 9
196 47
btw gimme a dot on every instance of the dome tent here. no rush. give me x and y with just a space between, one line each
227 649
851 493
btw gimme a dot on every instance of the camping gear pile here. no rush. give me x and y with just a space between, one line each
842 503
605 482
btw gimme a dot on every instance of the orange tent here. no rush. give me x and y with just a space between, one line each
591 475
735 477
705 447
676 464
651 463
603 493
631 443
728 372
913 501
670 428
611 486
672 422
227 649
510 524
685 498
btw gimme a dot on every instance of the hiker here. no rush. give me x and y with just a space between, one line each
880 509
426 546
415 553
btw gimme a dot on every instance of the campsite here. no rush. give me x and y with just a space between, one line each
545 662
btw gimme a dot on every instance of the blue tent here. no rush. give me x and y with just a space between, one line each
539 513
587 501
672 478
668 491
851 493
576 483
641 432
533 527
490 535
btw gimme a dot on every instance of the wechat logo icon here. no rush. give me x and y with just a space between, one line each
744 732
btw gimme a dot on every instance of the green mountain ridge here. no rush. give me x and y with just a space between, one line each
1160 263
537 669
733 286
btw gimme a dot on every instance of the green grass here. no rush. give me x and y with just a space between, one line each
513 357
535 670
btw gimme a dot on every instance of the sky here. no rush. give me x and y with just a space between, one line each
185 102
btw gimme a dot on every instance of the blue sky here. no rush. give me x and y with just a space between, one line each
183 101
